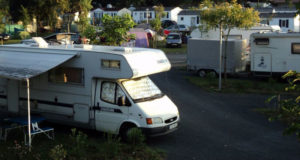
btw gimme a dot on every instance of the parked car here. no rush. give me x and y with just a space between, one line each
4 36
59 38
177 28
167 23
173 39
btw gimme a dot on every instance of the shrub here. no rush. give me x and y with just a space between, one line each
78 143
111 147
24 35
289 109
136 137
58 153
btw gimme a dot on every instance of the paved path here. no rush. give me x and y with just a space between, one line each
221 126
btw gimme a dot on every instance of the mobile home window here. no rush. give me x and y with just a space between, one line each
67 75
284 23
295 48
113 64
261 41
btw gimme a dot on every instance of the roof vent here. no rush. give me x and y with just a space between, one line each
84 46
123 49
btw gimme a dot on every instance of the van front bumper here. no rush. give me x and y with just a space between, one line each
159 131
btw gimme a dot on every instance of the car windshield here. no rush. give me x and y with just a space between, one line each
173 37
181 26
142 89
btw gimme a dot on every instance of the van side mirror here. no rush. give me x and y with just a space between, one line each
123 101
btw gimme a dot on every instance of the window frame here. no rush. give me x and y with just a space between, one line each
261 39
115 92
109 65
293 50
68 83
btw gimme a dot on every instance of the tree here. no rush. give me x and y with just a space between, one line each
84 8
3 16
156 23
226 16
115 29
25 16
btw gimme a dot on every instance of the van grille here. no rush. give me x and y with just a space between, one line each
171 120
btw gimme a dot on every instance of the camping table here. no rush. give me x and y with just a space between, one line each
8 124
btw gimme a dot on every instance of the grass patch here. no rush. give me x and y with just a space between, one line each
239 85
162 45
75 145
12 41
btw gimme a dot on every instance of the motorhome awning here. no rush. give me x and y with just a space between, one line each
23 65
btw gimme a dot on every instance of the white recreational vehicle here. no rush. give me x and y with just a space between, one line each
274 53
98 87
203 56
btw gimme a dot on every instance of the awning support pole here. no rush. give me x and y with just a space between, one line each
28 109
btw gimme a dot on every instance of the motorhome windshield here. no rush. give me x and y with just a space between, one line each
142 89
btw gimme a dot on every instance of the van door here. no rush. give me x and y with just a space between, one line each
108 114
262 62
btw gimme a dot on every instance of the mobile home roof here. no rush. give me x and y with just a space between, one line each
21 61
276 34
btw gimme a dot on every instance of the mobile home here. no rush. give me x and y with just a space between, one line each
275 53
97 87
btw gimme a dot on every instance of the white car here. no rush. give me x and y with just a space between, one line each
178 28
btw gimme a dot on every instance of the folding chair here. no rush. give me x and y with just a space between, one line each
48 131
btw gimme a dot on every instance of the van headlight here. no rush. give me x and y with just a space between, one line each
156 120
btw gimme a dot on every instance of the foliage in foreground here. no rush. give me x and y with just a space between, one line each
77 146
288 109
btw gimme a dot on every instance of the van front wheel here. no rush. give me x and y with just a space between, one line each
125 130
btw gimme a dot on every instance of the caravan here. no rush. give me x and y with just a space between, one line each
97 87
274 53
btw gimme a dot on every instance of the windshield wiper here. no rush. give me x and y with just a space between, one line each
149 98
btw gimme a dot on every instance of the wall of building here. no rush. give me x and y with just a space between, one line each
189 20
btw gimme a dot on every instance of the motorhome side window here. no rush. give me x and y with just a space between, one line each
111 92
67 75
113 64
295 48
261 41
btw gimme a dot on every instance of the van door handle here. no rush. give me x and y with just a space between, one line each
96 108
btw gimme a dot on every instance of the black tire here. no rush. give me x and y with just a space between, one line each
212 74
125 130
201 73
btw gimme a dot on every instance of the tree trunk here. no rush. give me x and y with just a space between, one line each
220 60
225 56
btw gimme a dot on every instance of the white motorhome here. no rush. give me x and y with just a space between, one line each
274 53
235 33
97 87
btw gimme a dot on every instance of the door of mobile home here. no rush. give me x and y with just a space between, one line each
262 62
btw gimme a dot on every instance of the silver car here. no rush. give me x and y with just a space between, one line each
174 39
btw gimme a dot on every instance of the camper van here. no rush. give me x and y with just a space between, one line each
203 56
97 87
274 53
